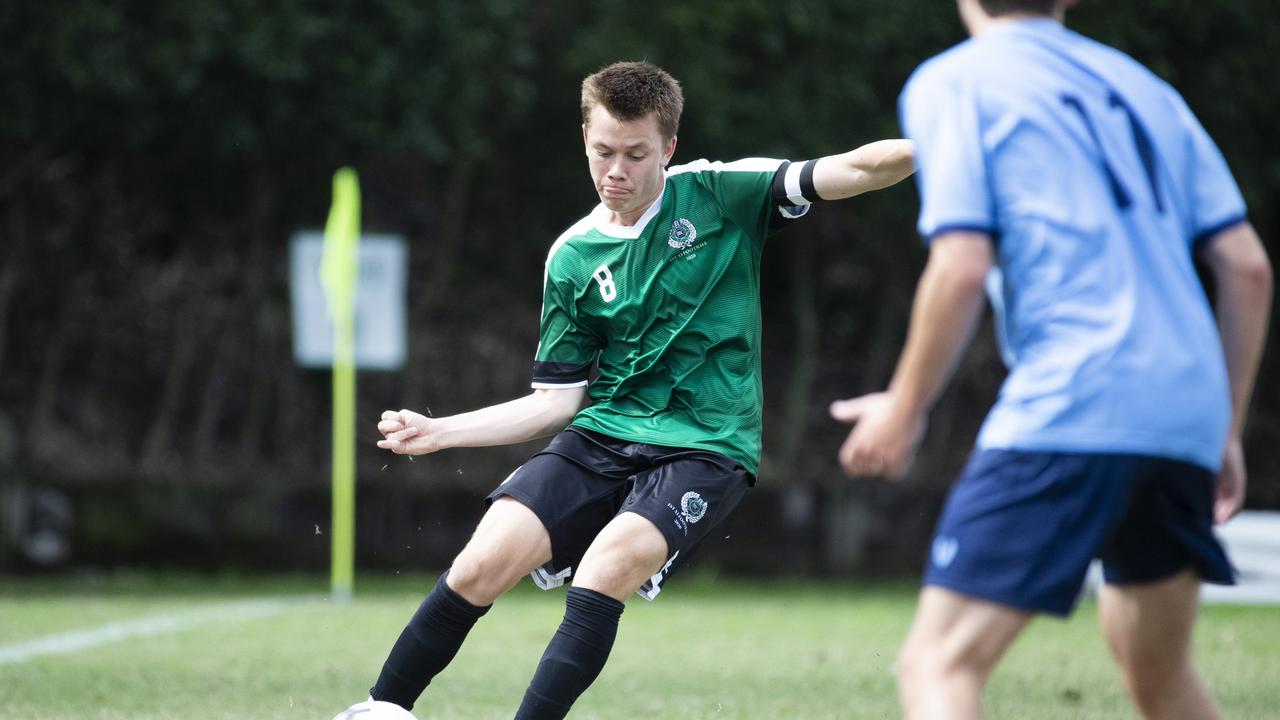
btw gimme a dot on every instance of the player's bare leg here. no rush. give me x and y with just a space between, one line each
954 644
628 551
509 543
1148 627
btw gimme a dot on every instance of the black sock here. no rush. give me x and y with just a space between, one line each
426 645
575 655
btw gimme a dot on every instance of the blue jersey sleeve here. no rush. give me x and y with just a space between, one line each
1215 202
942 118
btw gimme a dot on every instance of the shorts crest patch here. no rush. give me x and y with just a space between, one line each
693 506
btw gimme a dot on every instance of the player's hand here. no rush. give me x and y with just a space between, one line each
405 432
884 436
1229 493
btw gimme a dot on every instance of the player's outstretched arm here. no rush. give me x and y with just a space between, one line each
542 413
870 167
1243 285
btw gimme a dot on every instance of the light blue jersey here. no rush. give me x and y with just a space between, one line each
1096 182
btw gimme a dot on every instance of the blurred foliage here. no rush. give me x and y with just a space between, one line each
154 159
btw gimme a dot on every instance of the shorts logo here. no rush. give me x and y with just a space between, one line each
945 548
693 506
682 234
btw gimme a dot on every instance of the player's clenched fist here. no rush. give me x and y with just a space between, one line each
405 432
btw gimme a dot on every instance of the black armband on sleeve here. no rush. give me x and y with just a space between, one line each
793 184
560 375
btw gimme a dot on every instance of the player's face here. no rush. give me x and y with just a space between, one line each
626 161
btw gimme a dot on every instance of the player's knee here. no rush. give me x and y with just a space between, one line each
612 574
618 570
1146 699
1151 679
925 661
915 667
479 576
1151 697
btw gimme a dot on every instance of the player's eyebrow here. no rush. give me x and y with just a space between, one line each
642 144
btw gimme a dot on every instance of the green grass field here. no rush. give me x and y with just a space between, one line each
705 649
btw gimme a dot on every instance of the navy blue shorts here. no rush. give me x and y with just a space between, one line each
1020 527
583 479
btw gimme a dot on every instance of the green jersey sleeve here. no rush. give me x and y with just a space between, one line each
753 192
566 348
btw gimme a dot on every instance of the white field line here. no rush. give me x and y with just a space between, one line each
164 624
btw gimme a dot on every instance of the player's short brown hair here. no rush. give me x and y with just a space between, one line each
996 8
632 90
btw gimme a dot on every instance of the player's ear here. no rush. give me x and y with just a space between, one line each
584 135
668 150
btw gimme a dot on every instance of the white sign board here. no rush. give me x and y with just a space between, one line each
381 315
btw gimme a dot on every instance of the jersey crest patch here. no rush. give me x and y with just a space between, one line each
682 234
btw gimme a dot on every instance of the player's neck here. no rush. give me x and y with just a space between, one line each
628 219
980 23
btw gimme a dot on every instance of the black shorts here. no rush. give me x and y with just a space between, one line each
583 479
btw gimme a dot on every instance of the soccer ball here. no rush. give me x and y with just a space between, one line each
374 710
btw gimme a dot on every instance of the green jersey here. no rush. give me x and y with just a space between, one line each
670 309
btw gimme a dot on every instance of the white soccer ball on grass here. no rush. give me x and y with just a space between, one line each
374 710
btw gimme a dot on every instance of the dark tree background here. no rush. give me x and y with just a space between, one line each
156 157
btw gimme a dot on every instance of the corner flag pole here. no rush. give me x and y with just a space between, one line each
339 271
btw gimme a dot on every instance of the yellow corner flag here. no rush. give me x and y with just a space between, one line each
339 275
340 262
